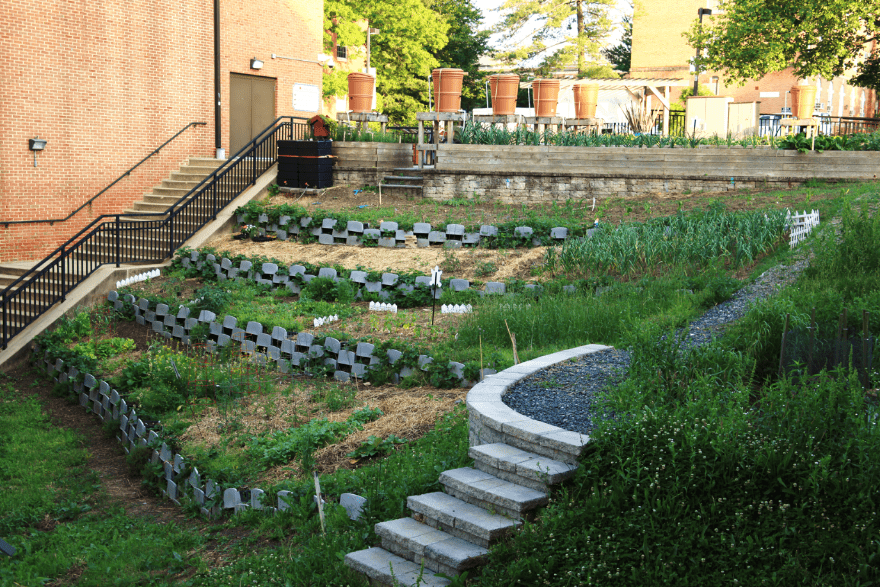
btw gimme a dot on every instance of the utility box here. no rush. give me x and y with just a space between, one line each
707 116
744 119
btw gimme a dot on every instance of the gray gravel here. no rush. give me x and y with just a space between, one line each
565 395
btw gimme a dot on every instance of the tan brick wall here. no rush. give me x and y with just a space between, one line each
660 51
107 82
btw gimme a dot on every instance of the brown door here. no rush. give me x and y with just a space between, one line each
252 108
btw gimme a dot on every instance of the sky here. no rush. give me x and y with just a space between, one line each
491 17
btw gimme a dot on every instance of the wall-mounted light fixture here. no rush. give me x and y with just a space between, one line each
36 144
256 63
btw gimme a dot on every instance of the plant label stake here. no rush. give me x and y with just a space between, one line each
319 501
435 283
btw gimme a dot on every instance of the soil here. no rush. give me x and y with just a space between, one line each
471 264
614 209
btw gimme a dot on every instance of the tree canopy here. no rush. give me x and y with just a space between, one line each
620 55
557 33
752 38
416 36
465 47
403 53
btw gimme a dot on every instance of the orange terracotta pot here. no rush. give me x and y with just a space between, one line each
447 89
586 98
546 96
803 101
360 92
504 87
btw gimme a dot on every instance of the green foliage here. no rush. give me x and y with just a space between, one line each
686 240
280 447
753 38
402 53
687 92
851 258
375 445
104 349
324 289
558 34
620 55
770 488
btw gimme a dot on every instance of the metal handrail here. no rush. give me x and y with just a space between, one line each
117 180
245 167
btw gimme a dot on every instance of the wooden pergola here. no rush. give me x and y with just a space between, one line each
642 89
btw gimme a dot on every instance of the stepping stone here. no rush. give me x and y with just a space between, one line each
389 569
438 550
461 519
353 504
488 491
520 466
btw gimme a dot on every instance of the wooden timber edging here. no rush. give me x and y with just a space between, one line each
665 163
369 162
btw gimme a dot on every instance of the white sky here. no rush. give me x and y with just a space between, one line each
491 17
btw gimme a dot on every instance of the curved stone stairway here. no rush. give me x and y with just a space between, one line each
516 460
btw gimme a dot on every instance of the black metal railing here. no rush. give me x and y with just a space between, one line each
115 181
122 238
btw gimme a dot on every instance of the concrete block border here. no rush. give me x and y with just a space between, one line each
490 420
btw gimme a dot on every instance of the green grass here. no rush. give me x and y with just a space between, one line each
42 469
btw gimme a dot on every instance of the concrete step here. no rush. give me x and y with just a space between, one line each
520 466
402 179
144 206
385 568
179 184
415 188
187 176
459 518
170 191
491 493
205 162
435 549
160 199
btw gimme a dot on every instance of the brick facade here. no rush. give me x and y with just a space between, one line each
107 82
660 50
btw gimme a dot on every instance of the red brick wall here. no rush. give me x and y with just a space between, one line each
259 28
107 82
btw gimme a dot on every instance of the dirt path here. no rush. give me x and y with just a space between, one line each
105 454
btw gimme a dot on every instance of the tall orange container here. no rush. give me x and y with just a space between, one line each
447 89
504 87
546 96
360 92
586 98
803 101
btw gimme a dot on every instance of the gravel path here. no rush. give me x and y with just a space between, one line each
565 395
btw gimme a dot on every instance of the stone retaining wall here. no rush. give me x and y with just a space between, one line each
491 421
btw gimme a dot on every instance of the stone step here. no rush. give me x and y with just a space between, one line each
491 493
435 549
401 186
459 518
404 177
386 568
205 162
520 466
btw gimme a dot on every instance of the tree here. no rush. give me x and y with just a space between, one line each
556 32
465 47
620 55
402 53
752 38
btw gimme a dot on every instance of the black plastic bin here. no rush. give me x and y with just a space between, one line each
315 173
304 148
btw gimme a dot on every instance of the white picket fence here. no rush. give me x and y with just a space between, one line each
801 224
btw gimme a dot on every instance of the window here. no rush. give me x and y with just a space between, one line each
341 52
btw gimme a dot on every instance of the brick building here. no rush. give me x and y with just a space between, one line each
660 50
106 83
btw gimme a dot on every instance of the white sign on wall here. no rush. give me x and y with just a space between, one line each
769 94
306 98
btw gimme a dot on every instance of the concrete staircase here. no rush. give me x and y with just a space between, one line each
175 187
406 182
450 532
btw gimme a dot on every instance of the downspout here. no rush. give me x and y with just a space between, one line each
218 134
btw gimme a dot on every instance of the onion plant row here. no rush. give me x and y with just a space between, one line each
684 240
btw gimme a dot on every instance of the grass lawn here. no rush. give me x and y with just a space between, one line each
767 479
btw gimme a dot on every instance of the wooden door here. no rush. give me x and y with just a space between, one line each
252 108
